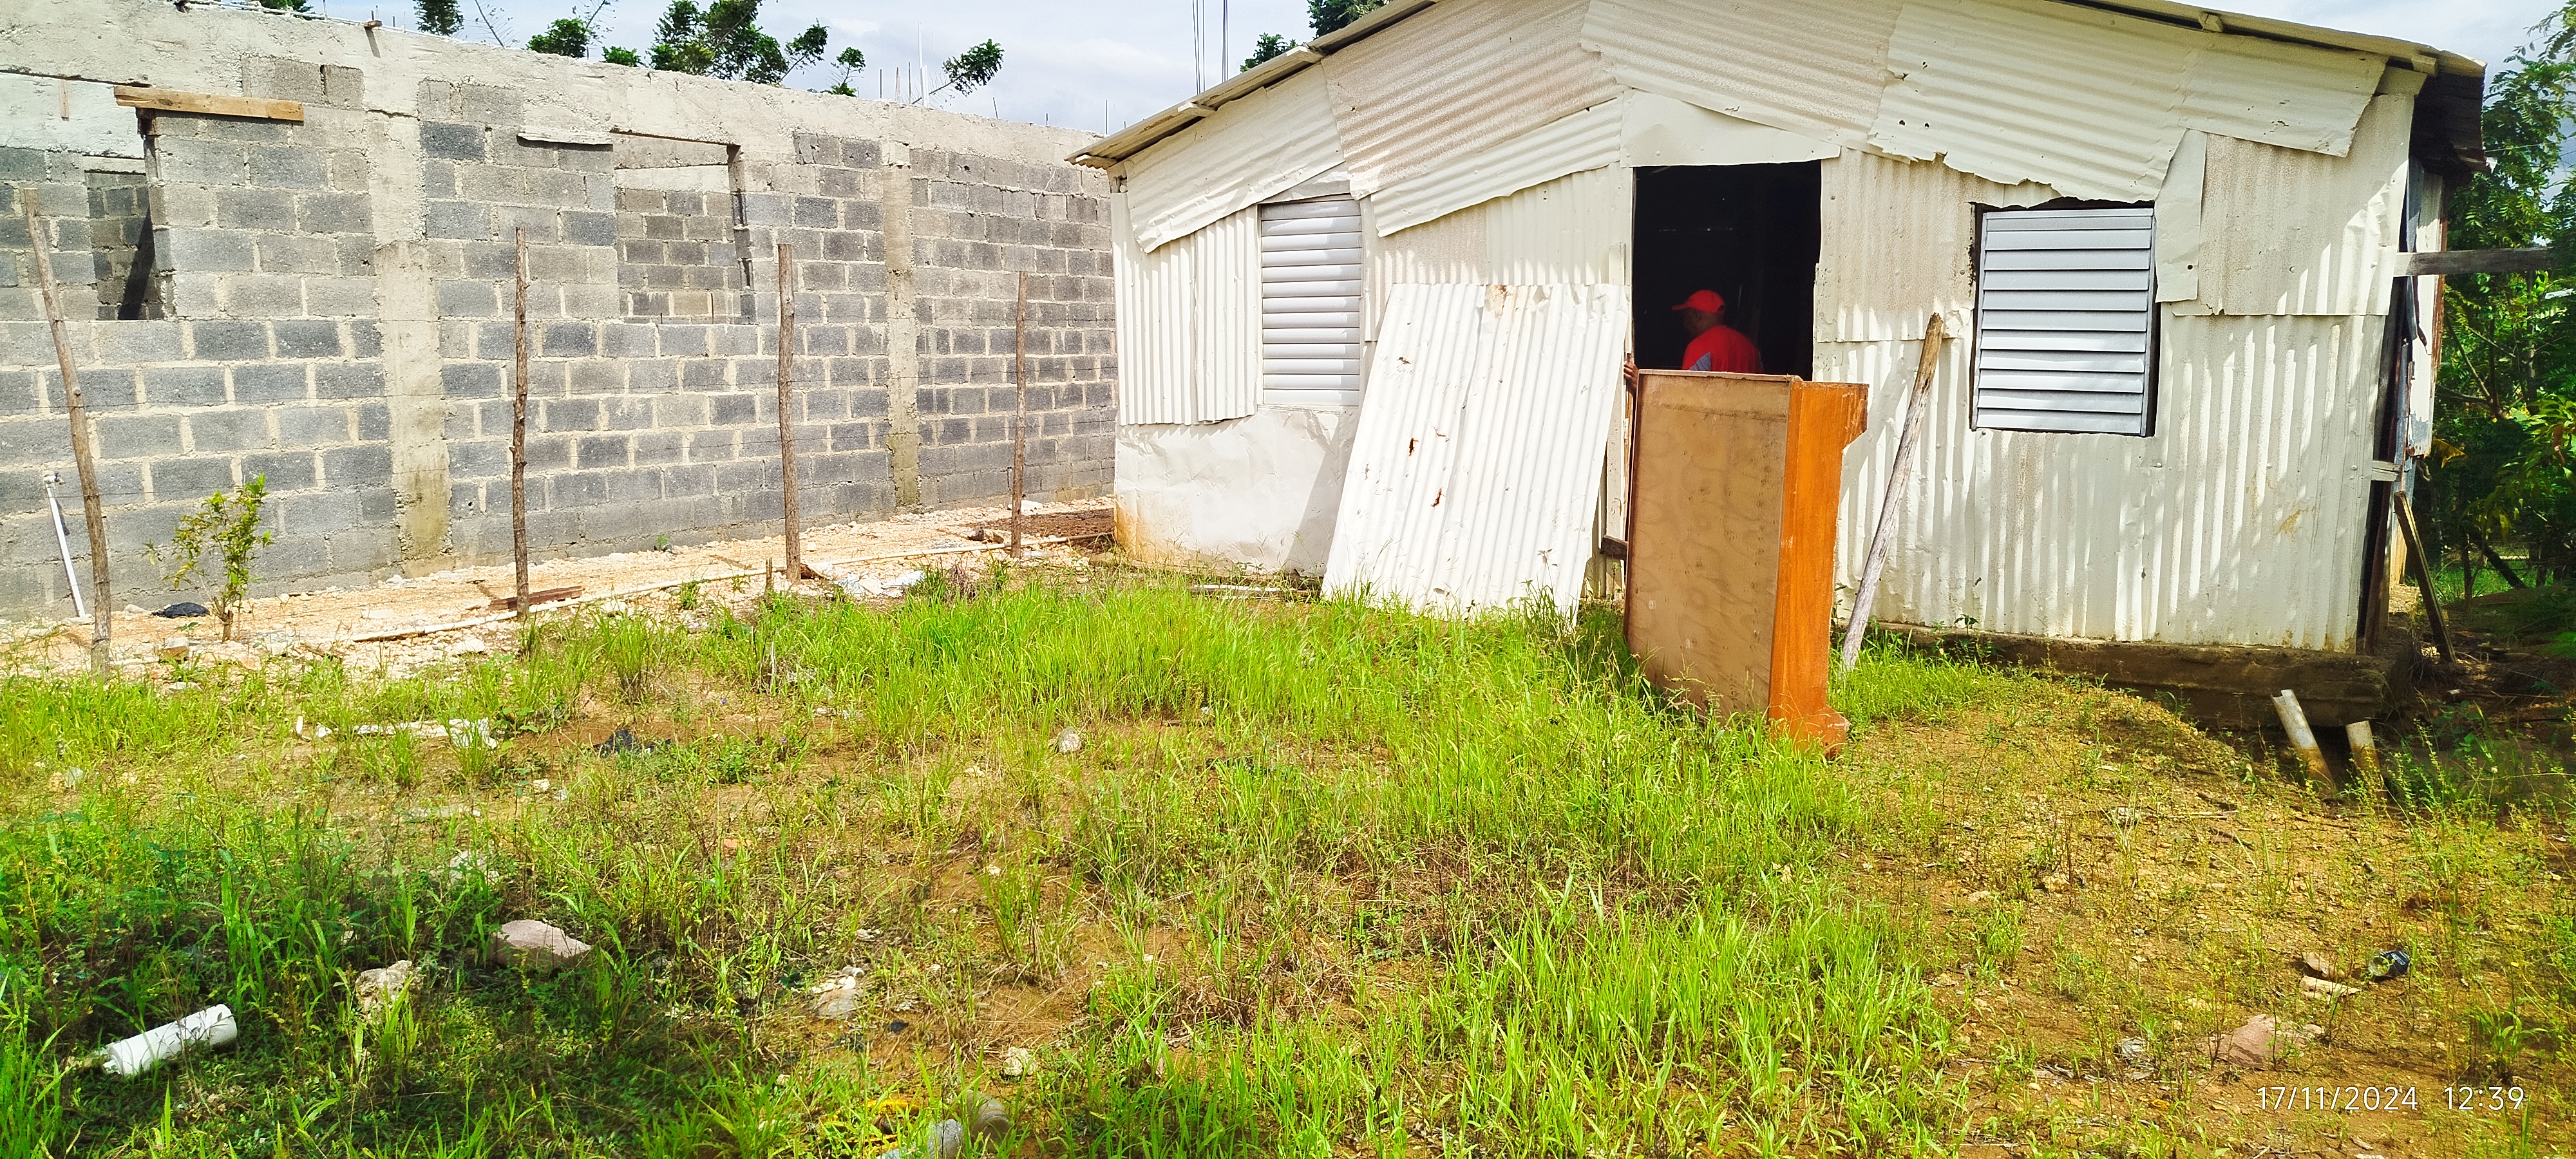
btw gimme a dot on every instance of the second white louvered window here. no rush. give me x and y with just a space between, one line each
1310 302
2066 320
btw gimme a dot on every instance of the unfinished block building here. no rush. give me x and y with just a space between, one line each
311 278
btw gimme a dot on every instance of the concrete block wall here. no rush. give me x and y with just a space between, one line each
339 302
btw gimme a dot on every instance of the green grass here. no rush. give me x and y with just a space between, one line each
1323 880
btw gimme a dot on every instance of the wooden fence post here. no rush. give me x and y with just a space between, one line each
102 614
786 420
519 438
1020 415
1874 561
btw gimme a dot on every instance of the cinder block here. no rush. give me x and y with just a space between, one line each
569 340
107 388
184 386
467 299
287 167
262 295
597 376
313 426
271 382
184 160
292 470
570 414
317 513
348 380
215 432
452 142
333 213
575 489
463 380
205 250
589 227
307 339
357 466
20 398
339 297
139 341
189 480
290 253
250 207
228 341
598 451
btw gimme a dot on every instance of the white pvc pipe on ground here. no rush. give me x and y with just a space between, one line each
2365 751
210 1027
2294 720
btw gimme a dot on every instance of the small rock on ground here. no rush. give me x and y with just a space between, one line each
836 999
1068 742
535 945
1019 1062
378 988
2259 1041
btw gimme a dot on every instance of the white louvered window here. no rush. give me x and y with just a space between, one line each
1310 302
2066 320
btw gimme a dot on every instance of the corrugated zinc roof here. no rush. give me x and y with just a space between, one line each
1250 150
1502 68
1812 69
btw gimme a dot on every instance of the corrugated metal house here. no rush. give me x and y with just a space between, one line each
1374 295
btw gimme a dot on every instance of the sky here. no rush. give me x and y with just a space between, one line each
1090 65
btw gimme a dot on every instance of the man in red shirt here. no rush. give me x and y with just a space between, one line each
1715 345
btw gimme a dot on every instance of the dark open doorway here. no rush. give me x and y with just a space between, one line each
1749 232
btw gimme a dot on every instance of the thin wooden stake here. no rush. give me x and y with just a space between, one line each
1020 417
519 439
786 424
2416 563
1918 402
102 623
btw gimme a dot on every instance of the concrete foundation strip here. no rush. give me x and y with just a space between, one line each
659 585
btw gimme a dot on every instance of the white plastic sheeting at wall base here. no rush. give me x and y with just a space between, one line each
1257 492
1250 150
1189 322
2239 521
1476 470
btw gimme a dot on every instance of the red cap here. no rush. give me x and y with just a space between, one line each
1705 301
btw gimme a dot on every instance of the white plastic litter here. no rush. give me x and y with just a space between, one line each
874 585
210 1027
464 734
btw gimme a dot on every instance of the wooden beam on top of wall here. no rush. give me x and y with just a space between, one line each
168 101
2514 261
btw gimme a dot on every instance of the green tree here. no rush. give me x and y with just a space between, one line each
973 68
566 37
1270 45
1332 15
441 17
724 40
851 61
2503 467
625 56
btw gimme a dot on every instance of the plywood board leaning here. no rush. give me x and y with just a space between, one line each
1730 540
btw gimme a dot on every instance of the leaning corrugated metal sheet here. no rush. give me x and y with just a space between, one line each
1476 471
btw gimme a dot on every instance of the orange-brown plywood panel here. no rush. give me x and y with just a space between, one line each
1704 548
1824 417
1731 534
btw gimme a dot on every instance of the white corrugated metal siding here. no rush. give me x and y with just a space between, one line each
2094 102
1897 239
1189 322
1811 69
1312 272
2240 520
1251 149
1573 230
2065 311
1456 80
1586 140
2303 233
1475 473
